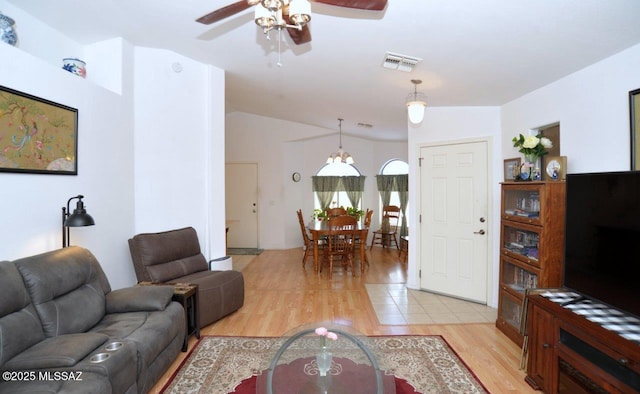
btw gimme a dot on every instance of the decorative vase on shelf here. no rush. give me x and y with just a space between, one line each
530 169
323 359
7 33
75 66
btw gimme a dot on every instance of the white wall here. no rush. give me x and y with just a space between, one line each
179 126
178 149
31 204
592 107
281 148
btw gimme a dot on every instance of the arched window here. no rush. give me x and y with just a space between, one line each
340 197
396 167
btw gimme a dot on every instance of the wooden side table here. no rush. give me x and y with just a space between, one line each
187 295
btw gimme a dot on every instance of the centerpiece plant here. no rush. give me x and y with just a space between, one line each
355 212
532 146
324 357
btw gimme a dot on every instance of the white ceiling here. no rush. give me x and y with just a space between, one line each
475 52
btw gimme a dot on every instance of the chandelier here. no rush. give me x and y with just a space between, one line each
340 156
416 103
268 14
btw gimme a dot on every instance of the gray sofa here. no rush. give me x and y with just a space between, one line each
62 329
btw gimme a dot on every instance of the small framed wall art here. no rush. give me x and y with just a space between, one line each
37 136
511 169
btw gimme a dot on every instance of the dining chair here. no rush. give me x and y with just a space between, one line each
404 248
362 238
340 241
387 233
308 242
333 212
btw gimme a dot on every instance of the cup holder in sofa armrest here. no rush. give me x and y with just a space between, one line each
99 357
113 346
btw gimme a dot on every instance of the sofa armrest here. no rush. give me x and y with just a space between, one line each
139 298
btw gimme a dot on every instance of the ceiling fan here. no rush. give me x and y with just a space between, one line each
290 14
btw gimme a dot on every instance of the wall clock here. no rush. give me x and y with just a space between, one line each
296 177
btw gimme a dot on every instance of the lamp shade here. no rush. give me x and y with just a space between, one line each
300 11
416 111
79 217
263 17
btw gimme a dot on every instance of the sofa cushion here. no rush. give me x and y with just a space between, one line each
67 287
20 326
57 352
164 256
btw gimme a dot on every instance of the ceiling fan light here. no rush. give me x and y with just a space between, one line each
263 17
271 5
300 12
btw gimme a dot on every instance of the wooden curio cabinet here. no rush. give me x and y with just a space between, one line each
531 246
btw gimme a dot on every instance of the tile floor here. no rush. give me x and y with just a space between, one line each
395 304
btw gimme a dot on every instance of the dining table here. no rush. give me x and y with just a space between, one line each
320 229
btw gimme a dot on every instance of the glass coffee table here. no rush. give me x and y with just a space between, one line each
301 364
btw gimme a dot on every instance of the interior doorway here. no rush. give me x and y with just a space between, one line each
454 244
241 202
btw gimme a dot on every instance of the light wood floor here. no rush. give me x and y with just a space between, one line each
280 296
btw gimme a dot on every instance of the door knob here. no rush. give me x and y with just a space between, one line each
482 220
481 232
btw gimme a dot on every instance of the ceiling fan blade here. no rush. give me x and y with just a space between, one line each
300 36
373 5
224 12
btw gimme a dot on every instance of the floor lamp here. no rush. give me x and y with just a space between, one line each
78 218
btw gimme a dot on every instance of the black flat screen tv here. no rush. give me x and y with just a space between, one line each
602 238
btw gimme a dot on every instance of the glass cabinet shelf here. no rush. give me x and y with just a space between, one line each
520 241
523 203
517 278
510 311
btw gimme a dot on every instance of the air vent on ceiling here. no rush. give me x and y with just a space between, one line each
365 125
399 62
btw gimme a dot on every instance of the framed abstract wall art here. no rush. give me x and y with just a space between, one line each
36 135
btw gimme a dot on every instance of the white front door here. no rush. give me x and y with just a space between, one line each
454 222
241 191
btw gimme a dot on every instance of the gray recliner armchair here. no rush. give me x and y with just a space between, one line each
175 257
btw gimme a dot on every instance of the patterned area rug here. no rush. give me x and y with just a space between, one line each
220 364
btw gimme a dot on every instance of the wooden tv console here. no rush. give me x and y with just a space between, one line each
576 345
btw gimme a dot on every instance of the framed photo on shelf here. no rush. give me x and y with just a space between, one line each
37 136
511 169
634 117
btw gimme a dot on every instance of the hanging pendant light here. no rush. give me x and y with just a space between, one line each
340 156
416 103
